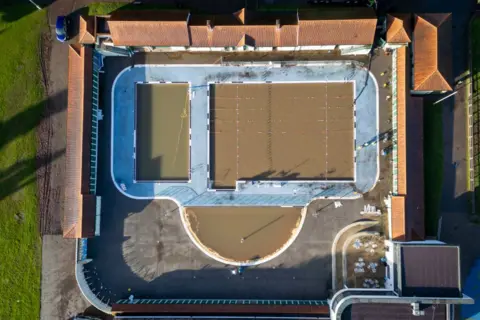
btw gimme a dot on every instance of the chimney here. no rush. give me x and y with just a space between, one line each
209 25
277 24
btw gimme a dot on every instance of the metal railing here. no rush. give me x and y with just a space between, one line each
225 302
97 66
394 125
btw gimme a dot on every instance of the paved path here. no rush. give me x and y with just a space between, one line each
61 297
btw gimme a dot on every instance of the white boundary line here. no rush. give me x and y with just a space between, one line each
378 129
249 65
189 180
209 128
354 132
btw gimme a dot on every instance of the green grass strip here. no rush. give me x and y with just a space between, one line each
106 8
21 107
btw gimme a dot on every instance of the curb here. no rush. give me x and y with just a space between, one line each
369 223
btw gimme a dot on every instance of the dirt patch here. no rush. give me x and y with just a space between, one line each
243 234
281 131
162 132
364 266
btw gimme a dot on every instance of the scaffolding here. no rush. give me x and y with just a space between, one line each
97 66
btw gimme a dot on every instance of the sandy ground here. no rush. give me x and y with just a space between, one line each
369 254
281 131
61 297
162 127
243 233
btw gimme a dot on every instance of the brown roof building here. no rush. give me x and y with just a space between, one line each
407 218
432 36
341 27
79 215
86 30
179 28
152 28
399 28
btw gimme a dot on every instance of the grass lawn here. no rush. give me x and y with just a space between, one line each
104 8
475 42
433 162
101 8
21 106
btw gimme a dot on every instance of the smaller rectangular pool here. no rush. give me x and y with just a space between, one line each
162 132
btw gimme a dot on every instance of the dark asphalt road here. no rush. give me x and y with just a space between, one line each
143 243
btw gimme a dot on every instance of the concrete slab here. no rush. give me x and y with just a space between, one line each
197 192
60 297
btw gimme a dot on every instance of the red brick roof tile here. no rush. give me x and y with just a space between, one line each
337 32
432 52
399 28
140 28
79 215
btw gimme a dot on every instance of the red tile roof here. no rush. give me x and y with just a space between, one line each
398 218
401 120
86 32
408 213
140 28
336 32
432 52
79 215
227 36
399 28
160 29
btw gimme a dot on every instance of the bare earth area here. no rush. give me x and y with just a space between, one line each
282 131
243 234
162 132
364 269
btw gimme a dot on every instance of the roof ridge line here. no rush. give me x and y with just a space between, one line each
427 78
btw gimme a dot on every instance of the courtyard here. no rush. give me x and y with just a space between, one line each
265 161
145 242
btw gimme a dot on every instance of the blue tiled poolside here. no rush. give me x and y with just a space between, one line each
196 192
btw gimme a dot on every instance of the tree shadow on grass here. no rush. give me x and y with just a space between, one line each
21 174
13 10
28 119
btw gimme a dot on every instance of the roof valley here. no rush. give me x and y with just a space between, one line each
296 30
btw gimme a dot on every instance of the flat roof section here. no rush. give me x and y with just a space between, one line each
430 271
162 132
281 131
243 234
381 311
